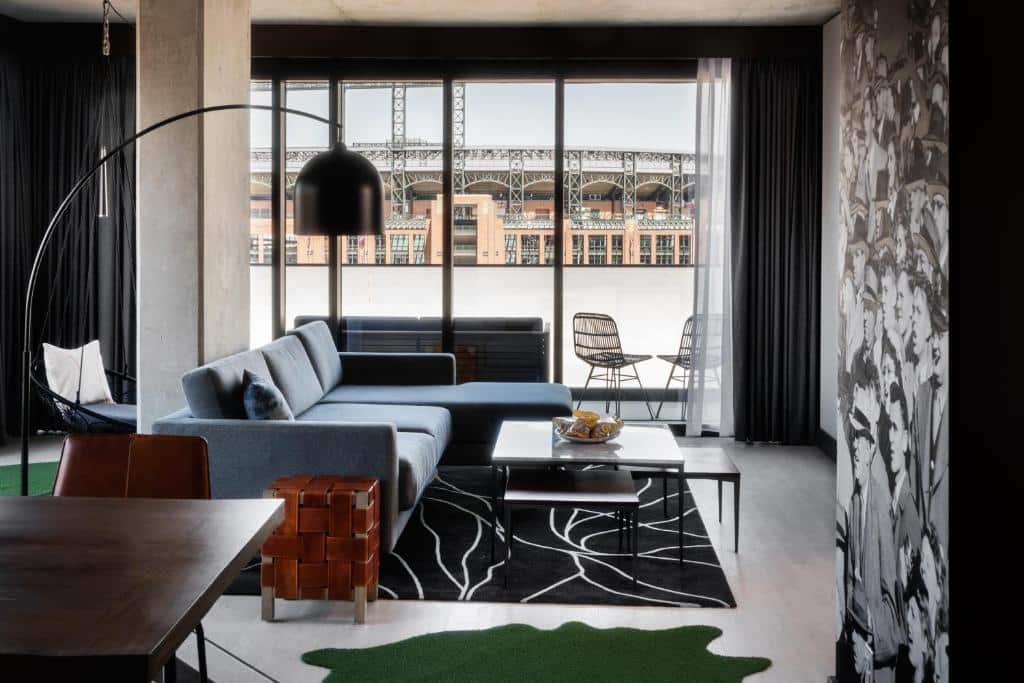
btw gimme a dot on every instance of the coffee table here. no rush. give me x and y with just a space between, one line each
590 489
524 444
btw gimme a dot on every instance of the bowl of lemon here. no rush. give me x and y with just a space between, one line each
586 426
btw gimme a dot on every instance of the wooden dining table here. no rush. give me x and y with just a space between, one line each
108 588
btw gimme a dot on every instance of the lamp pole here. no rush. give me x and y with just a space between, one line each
26 369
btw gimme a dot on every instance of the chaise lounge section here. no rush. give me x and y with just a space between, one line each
392 416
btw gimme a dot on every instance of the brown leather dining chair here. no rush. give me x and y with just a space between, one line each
137 466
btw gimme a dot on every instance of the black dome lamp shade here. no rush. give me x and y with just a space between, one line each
339 192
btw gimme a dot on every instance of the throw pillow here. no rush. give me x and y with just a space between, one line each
77 374
263 400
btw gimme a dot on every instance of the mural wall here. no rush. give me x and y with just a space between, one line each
893 445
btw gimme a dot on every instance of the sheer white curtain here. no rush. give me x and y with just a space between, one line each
709 390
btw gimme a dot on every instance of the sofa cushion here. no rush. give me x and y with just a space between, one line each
477 408
417 465
316 338
293 373
214 390
431 420
263 400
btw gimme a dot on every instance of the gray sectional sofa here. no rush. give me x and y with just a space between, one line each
392 416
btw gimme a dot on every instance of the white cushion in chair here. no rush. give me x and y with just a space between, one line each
66 367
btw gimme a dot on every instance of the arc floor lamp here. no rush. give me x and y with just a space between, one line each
337 192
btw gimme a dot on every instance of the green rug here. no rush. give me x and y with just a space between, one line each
40 479
571 652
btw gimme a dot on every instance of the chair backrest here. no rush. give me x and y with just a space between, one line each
168 466
93 465
696 328
595 335
133 466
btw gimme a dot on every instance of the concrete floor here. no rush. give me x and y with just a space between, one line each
782 579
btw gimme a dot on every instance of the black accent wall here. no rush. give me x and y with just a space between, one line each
60 100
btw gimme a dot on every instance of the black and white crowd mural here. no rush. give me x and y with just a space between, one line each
893 446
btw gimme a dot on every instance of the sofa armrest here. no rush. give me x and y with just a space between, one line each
397 368
247 455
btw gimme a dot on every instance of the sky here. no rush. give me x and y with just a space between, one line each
636 116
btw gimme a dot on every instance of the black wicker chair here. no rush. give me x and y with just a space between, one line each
694 330
91 418
596 341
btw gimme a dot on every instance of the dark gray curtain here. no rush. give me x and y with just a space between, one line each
776 194
56 113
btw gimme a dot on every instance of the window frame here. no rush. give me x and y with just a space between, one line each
337 71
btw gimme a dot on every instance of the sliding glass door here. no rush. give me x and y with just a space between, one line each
261 239
625 176
391 284
503 229
629 222
306 257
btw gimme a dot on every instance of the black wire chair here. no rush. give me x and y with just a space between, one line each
695 329
90 418
596 341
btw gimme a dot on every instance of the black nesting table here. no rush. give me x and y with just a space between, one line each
597 490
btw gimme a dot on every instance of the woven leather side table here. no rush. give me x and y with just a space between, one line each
328 546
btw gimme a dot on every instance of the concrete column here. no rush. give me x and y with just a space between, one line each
192 193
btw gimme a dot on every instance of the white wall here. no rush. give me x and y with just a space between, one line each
831 86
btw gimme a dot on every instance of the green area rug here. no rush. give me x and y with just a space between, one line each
516 652
40 479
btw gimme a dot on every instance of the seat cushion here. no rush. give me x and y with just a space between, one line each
417 465
430 420
316 338
293 373
477 408
214 390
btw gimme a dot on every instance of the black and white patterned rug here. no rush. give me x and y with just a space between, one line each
559 556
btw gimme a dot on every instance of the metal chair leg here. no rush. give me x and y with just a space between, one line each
647 401
608 381
671 374
201 652
585 385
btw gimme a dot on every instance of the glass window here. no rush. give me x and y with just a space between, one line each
531 250
260 240
306 257
418 249
684 250
628 184
510 250
503 177
397 126
664 248
400 249
596 245
352 250
549 250
617 249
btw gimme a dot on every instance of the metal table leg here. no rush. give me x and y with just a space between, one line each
736 513
494 508
636 543
682 509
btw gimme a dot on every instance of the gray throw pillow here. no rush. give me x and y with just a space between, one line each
263 400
